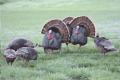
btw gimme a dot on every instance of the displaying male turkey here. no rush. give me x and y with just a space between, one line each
10 56
18 43
52 41
26 53
104 45
79 35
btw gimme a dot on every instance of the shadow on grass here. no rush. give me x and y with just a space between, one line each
115 70
81 76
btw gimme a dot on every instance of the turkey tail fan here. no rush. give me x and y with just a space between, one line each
86 22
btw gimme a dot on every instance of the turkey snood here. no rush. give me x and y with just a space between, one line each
50 36
77 31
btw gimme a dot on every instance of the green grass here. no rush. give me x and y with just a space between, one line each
26 19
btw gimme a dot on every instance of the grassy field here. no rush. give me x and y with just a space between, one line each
26 18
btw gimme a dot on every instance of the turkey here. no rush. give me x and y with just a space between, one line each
103 44
18 43
10 56
26 53
78 35
52 41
